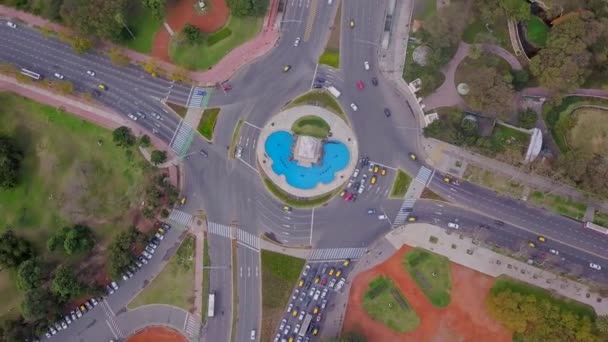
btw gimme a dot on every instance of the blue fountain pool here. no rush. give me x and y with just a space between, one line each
278 148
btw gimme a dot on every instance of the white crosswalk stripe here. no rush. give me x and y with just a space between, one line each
220 229
336 253
193 327
182 138
423 175
248 239
404 211
180 217
199 97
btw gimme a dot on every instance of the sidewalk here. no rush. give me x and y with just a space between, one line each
222 71
493 264
302 253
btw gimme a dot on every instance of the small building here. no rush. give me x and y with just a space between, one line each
307 150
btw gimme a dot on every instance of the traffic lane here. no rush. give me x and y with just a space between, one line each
249 293
289 227
541 221
511 237
220 283
93 323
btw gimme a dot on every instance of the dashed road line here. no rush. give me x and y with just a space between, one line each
312 13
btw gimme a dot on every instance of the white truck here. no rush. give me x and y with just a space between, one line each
211 304
335 92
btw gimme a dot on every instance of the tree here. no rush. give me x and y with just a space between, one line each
445 27
527 118
14 249
93 17
57 239
158 157
10 162
601 323
520 79
38 303
30 274
80 44
180 75
516 9
157 7
490 93
65 284
118 58
63 87
14 330
191 33
123 136
245 8
150 67
144 141
79 239
120 255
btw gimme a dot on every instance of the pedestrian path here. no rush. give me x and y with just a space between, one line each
424 174
220 229
404 211
180 217
193 327
248 239
199 97
336 253
182 138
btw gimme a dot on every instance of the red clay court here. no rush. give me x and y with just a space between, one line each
157 334
181 13
464 319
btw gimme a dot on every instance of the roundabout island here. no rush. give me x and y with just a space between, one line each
307 152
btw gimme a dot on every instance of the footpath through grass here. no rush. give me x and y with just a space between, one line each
279 276
321 98
384 303
174 285
402 182
432 274
207 123
143 25
203 56
563 206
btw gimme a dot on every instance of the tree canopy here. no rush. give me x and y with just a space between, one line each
30 274
94 17
490 93
123 136
158 7
38 303
65 284
158 157
120 255
14 249
10 162
246 8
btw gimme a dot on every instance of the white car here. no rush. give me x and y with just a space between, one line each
302 314
361 189
297 328
277 338
380 217
317 295
332 283
114 285
340 284
253 335
283 323
295 294
59 76
297 42
239 152
132 117
354 107
324 293
350 183
155 131
595 266
453 225
366 65
306 270
146 254
90 72
11 24
67 319
143 260
156 116
289 307
356 173
554 251
140 114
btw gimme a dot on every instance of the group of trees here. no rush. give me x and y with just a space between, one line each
10 162
72 240
120 251
160 189
533 319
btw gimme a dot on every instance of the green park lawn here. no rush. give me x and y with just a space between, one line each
384 303
207 123
311 125
432 274
144 27
563 206
402 182
203 56
538 31
280 273
10 296
321 98
174 284
330 57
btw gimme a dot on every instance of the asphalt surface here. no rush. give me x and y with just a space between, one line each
231 192
220 283
249 292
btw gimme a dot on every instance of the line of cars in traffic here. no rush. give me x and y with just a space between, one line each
139 115
310 299
112 287
356 186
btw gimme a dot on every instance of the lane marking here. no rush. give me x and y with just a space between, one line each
112 330
252 125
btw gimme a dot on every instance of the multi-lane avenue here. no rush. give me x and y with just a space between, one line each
231 192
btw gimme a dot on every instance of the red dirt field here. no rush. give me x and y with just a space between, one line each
181 13
464 319
157 334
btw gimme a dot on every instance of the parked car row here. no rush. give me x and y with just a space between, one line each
112 287
356 186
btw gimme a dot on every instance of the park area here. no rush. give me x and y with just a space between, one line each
432 274
465 318
207 124
384 303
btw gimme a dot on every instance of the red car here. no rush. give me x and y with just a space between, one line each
227 87
324 281
348 196
360 85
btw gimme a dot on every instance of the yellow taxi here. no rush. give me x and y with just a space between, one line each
301 283
346 262
376 168
383 172
317 279
531 244
542 239
286 208
411 219
183 200
315 331
294 313
373 180
413 156
338 273
291 339
447 179
343 193
315 310
331 271
286 68
351 23
103 87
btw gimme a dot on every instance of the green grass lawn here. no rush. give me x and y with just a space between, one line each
72 172
330 57
494 181
207 123
590 131
311 125
321 98
432 274
10 296
600 218
144 27
279 276
202 56
538 31
508 137
384 303
505 283
402 182
174 284
559 204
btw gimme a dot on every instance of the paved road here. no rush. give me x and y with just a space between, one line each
249 290
220 282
